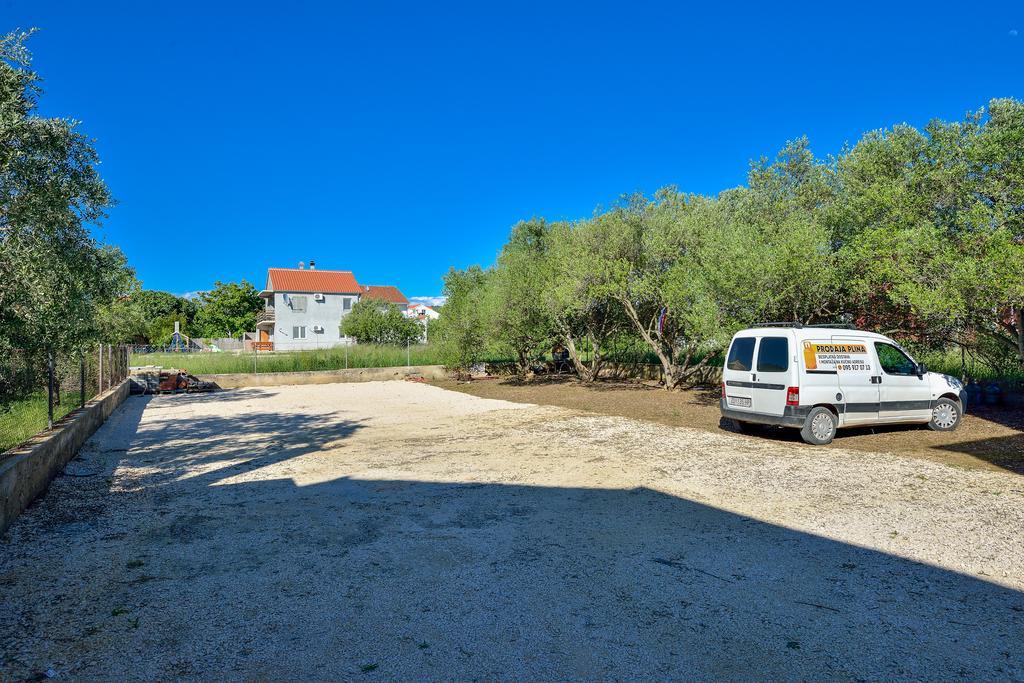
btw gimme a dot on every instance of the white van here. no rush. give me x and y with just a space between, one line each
819 379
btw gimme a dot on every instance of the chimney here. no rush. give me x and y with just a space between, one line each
312 264
302 265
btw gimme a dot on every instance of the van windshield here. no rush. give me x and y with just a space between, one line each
741 355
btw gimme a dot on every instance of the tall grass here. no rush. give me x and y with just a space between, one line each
26 417
338 358
965 366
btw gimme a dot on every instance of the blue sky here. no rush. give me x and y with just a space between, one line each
397 140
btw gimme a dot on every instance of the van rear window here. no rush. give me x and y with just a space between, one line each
741 355
773 354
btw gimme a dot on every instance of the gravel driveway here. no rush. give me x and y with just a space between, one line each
400 531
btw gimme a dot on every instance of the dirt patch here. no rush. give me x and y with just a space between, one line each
989 437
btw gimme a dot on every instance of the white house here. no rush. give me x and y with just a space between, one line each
421 312
304 307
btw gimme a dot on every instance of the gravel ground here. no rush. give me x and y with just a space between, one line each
400 531
990 437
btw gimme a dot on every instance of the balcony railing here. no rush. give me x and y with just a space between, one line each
265 316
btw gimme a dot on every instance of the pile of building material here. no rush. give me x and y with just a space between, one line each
153 379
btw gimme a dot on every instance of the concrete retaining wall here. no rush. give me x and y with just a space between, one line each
275 379
26 472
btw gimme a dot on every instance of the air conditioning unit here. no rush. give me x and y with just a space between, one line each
318 297
319 329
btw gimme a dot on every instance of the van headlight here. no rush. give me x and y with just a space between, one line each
954 382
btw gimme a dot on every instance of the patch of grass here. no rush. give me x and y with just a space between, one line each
339 358
951 362
23 419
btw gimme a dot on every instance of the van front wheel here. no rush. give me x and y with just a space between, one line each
819 427
945 415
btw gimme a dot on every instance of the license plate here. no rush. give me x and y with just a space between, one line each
739 401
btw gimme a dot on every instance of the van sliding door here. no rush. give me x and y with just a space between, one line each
855 365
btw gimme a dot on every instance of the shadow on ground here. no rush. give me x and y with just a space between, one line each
201 575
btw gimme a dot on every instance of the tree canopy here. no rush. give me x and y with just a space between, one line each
914 233
377 322
56 280
228 310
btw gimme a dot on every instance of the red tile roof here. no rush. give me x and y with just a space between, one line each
384 293
322 281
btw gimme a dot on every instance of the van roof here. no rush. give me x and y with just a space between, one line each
810 331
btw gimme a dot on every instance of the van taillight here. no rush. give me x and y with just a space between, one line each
723 389
793 396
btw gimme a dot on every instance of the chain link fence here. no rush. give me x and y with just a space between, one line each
37 389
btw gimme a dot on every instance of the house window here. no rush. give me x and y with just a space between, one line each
346 304
299 332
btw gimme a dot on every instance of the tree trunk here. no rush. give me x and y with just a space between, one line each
582 371
522 363
668 366
596 360
1020 334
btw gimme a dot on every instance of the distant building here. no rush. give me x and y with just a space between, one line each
385 293
304 307
423 314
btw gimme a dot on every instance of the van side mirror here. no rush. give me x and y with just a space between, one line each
921 370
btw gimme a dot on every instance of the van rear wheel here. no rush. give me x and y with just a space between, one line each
744 427
819 427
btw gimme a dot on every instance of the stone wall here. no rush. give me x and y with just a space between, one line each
25 472
274 379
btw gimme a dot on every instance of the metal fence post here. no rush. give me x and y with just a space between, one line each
49 389
110 366
81 382
99 373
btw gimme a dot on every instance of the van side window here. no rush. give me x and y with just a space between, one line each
773 354
741 355
894 361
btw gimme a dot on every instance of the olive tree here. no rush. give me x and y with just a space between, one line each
517 318
54 277
461 333
377 322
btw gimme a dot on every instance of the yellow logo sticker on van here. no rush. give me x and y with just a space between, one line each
836 357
